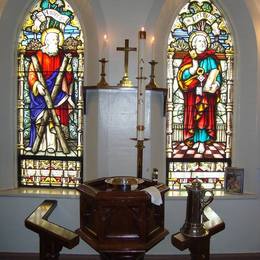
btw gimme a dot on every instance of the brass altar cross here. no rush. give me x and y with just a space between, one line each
125 82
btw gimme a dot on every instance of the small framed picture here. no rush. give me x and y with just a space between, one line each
234 179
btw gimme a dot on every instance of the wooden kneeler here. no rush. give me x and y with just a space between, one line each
52 237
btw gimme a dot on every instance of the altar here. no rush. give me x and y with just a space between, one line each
121 223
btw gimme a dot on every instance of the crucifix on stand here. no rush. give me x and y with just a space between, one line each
125 81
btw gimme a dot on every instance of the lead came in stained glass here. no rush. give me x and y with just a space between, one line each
50 102
199 107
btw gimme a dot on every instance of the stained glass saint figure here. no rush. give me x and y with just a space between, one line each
199 79
50 100
50 59
200 87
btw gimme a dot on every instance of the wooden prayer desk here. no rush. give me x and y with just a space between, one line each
120 224
200 246
52 236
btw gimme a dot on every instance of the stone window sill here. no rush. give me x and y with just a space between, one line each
222 195
40 192
74 194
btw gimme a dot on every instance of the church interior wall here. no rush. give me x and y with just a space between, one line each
122 20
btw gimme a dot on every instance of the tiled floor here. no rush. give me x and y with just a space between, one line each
215 150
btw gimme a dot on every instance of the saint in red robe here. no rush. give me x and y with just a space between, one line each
199 109
50 65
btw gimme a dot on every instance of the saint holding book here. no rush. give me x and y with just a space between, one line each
199 79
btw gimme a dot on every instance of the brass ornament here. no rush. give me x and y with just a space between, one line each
125 81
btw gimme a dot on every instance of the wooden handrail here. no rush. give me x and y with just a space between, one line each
52 236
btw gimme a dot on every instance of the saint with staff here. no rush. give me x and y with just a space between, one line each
50 78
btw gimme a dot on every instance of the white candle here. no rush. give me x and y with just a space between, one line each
152 47
141 48
141 86
104 52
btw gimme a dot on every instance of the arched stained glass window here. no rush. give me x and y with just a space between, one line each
50 102
200 86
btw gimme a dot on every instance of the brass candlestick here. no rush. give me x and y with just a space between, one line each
140 147
139 162
152 83
102 82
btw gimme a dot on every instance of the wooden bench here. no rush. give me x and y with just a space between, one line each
52 236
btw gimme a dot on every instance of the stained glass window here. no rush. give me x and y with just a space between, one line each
200 105
49 96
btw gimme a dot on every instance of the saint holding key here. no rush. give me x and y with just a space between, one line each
199 79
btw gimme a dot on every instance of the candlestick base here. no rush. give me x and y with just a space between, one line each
125 82
102 83
151 85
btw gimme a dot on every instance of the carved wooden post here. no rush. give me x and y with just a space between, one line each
199 249
49 248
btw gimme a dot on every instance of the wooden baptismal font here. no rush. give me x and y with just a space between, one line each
120 217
